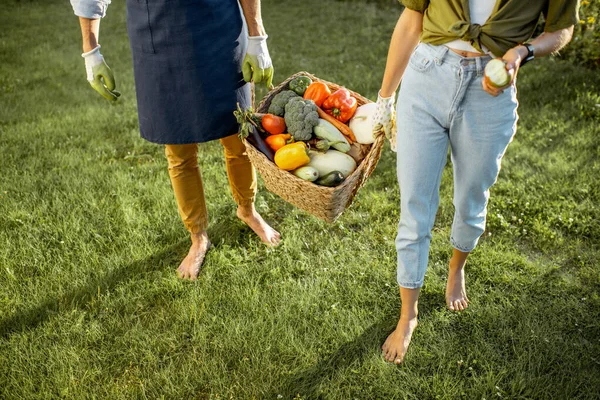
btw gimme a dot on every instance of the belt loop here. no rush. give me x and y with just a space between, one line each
441 54
479 64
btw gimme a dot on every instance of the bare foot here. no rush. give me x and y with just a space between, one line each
190 266
264 231
456 292
396 345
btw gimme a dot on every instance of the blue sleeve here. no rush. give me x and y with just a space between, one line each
92 9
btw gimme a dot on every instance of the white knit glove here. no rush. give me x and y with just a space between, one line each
384 119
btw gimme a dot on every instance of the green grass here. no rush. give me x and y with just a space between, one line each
89 238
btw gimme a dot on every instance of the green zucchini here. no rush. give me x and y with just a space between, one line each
333 178
326 130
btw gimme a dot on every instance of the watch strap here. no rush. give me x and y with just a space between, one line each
530 53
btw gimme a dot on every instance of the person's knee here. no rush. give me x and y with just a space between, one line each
182 156
233 147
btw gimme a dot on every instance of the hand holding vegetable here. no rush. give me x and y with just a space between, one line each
341 105
384 119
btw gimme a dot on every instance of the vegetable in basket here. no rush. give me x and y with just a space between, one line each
330 161
279 101
307 173
341 105
278 141
301 117
326 130
292 156
300 84
273 124
333 178
249 125
317 92
323 144
345 129
362 123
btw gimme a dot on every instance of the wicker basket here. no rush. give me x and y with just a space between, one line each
323 202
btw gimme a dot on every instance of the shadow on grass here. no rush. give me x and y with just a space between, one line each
308 383
81 295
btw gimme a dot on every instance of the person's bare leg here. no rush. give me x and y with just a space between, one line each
456 292
253 219
191 264
395 346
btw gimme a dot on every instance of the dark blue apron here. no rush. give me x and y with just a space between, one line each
187 58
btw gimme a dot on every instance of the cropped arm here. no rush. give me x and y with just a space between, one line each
404 40
252 13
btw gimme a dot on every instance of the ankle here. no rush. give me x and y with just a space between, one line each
457 265
246 209
199 238
408 316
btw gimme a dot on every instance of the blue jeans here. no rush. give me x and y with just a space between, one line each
442 104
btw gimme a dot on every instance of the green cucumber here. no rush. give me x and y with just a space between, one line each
333 178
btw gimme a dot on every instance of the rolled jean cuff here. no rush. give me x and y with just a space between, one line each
411 285
464 249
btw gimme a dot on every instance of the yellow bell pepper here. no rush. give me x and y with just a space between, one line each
292 156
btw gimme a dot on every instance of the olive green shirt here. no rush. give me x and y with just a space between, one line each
512 21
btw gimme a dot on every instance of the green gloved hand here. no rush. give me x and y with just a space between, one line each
257 66
99 74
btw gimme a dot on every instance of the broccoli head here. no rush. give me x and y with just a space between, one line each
301 117
279 101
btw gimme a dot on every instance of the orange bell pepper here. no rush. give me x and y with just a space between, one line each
317 92
278 141
341 105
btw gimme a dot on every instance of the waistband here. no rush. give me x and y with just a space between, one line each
441 53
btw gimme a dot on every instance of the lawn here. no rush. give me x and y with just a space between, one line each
90 307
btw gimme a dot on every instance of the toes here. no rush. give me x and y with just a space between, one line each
451 305
397 361
465 303
459 305
391 356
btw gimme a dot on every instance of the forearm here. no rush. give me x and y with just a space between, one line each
90 29
404 40
252 14
551 42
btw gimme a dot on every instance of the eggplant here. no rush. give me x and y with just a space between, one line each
257 141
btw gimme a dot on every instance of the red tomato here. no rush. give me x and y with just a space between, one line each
273 124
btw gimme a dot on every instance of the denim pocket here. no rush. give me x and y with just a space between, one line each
138 26
420 60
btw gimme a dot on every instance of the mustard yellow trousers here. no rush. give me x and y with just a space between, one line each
187 180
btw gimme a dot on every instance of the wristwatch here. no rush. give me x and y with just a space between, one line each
530 53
